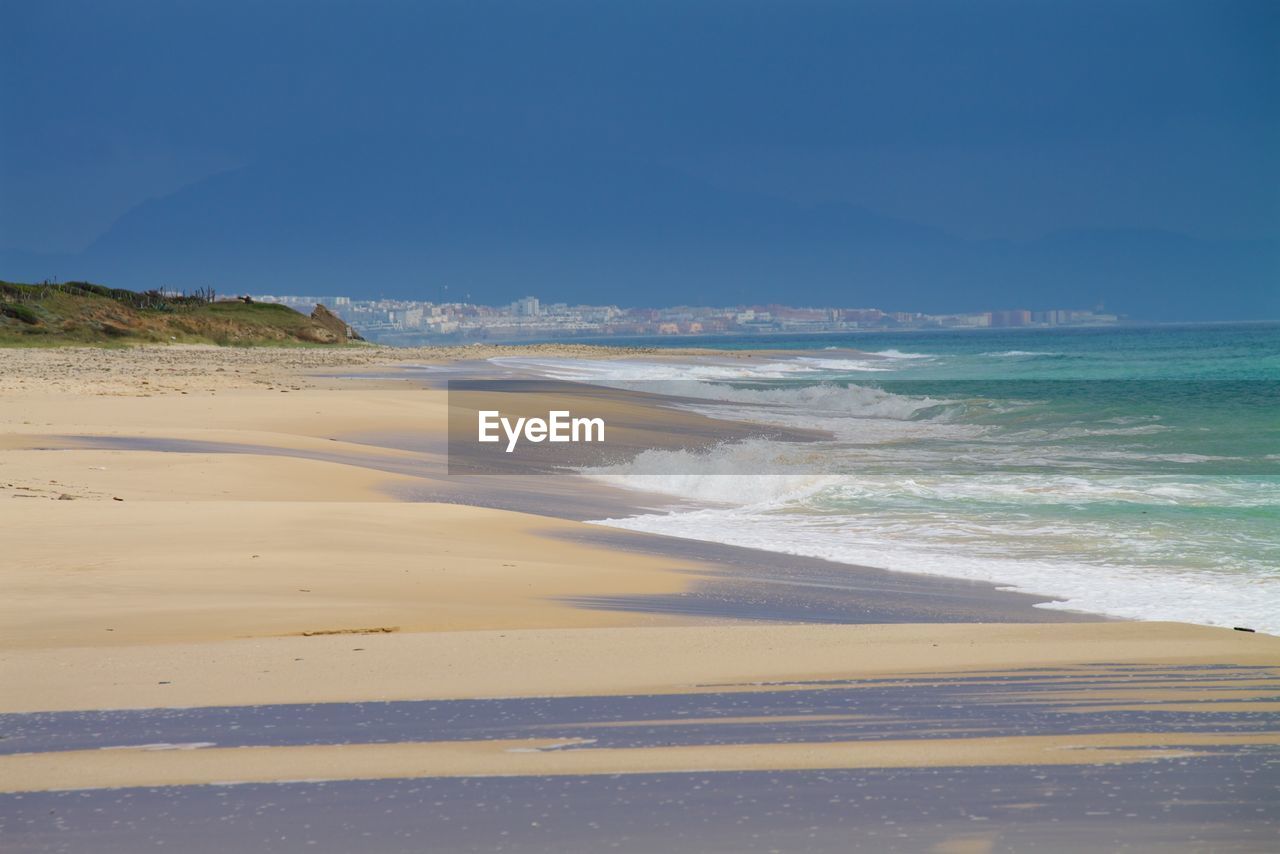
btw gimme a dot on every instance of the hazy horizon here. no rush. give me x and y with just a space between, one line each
907 156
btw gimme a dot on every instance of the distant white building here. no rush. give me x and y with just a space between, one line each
295 301
407 318
527 307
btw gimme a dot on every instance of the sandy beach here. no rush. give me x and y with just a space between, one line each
192 528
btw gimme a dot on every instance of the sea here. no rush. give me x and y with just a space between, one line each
1124 471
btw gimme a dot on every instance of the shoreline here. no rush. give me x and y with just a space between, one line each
241 542
412 464
723 583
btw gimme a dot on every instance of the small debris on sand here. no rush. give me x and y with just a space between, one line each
376 630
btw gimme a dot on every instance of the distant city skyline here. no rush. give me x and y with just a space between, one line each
940 155
406 321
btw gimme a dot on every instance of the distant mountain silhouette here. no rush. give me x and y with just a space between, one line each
386 219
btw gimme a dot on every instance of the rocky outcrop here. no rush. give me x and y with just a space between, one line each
329 321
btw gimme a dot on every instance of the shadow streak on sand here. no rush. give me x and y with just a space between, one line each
1220 798
1210 803
1092 699
750 584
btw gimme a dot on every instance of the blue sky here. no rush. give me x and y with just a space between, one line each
937 155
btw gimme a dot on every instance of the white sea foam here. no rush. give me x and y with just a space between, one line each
608 371
781 472
1132 591
1031 490
790 504
898 354
1013 354
850 412
765 472
891 491
802 405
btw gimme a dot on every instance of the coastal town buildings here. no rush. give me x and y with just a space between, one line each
415 321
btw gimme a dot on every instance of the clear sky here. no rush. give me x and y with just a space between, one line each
912 155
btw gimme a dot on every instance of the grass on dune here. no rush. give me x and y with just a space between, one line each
82 313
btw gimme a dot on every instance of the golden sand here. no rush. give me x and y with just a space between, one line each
187 579
167 766
584 661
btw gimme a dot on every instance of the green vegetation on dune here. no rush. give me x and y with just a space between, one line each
82 313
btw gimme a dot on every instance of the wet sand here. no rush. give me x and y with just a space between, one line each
1086 699
1000 761
253 556
1211 804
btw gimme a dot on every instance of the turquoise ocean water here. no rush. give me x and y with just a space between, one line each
1126 471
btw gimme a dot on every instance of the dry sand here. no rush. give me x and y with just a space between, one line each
180 579
152 766
140 572
141 371
586 661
